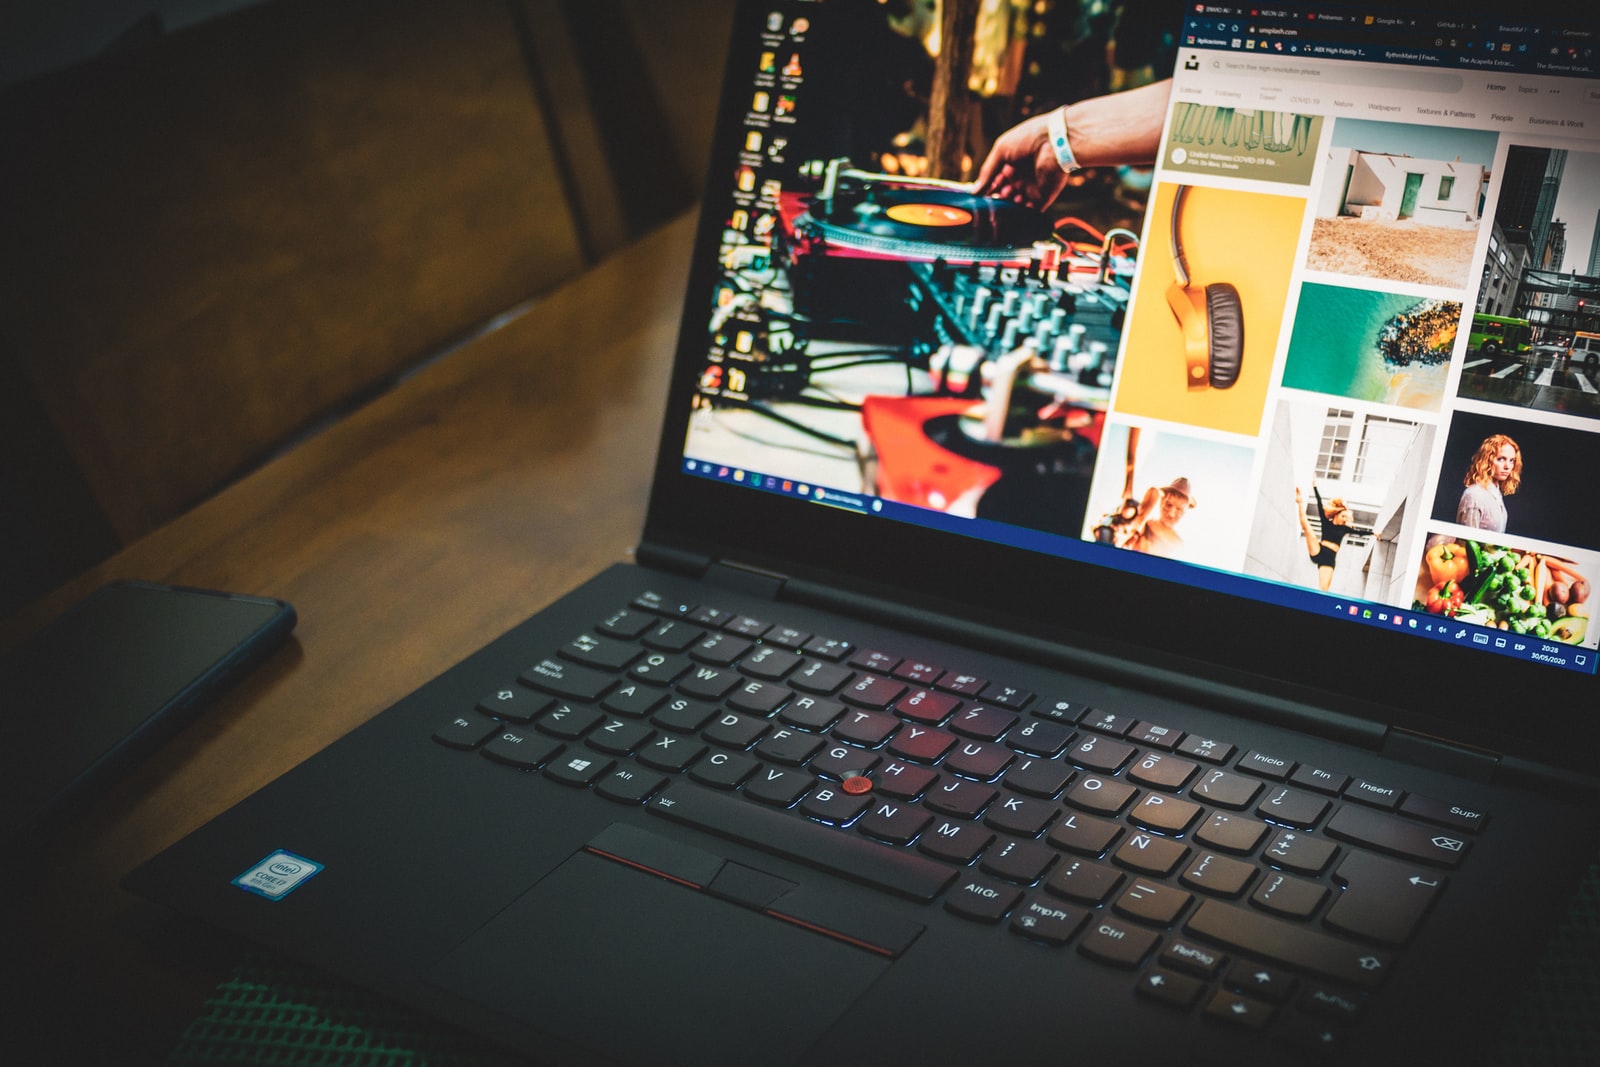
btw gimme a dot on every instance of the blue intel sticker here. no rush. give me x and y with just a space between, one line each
278 874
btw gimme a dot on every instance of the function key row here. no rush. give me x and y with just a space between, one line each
742 625
632 623
1361 791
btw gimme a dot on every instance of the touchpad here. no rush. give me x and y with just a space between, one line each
646 970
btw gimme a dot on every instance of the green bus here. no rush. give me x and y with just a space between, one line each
1493 334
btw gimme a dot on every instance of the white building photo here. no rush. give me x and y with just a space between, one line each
1380 186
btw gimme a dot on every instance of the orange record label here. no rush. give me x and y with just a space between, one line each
929 214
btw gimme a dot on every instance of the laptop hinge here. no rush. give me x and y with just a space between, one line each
746 579
1579 788
728 573
676 561
1438 754
1476 764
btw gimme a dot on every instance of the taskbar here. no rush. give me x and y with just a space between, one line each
1525 647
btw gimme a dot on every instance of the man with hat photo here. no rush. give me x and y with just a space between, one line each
1154 528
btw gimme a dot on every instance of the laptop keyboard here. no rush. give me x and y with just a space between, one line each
1239 884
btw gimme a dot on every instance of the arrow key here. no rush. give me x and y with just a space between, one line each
1167 987
1267 983
1238 1009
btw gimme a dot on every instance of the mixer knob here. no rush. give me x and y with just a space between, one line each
980 304
1061 354
991 325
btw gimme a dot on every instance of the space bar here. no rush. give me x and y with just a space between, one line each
832 850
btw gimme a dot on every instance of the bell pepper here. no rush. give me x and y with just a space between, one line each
1448 562
1445 598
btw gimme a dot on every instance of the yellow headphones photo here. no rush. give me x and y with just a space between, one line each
1211 318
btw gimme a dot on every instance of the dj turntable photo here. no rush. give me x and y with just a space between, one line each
928 311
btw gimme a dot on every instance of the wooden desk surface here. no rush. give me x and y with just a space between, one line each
407 536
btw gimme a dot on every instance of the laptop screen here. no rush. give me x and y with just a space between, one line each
1300 306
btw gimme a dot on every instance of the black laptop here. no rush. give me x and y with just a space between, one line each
1117 580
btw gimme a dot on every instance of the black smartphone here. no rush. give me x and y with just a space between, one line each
108 681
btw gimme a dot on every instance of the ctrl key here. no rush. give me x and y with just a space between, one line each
1114 942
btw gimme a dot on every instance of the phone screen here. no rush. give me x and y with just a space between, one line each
110 679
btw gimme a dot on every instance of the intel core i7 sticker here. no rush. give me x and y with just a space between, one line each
276 875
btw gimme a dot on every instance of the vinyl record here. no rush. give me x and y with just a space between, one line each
927 223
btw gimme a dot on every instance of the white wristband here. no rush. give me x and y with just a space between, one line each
1056 123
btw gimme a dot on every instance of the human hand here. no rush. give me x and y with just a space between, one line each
1021 166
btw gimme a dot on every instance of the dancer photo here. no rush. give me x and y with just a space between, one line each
1334 526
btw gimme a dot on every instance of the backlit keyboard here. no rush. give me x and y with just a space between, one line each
1239 884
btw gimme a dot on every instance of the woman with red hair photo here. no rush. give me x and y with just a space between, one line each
1494 474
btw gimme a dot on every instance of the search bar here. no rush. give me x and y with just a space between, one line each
1432 81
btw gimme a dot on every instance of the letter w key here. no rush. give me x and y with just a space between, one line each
708 683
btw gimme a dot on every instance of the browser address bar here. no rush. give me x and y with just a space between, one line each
1432 81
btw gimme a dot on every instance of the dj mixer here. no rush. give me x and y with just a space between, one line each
1011 329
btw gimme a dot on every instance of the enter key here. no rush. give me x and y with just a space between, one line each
1383 899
